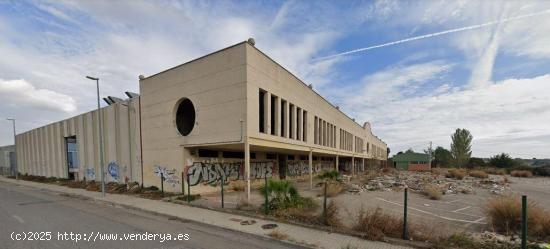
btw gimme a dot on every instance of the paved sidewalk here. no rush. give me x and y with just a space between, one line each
301 235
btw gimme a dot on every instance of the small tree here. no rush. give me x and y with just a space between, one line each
461 147
442 157
476 162
503 160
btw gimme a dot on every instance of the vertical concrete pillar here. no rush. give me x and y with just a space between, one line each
336 166
247 167
353 165
363 164
267 113
310 168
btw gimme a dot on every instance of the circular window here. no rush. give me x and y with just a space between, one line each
185 117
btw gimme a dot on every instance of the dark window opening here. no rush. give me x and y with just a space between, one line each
283 119
298 126
237 154
185 117
291 115
72 156
290 157
304 158
261 112
273 114
208 153
316 130
271 156
304 130
234 154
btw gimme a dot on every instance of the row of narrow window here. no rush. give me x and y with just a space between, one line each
273 119
324 133
346 140
358 145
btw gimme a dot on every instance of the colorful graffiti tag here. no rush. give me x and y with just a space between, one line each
113 168
170 175
300 168
213 172
90 173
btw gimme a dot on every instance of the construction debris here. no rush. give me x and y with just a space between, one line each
416 181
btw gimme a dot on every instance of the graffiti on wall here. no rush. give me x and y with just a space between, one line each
113 170
300 168
90 173
213 172
170 175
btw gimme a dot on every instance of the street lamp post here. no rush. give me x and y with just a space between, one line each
15 147
100 137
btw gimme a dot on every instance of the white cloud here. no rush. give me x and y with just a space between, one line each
21 92
117 41
395 83
498 115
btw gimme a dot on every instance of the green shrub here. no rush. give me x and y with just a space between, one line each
330 175
542 170
282 195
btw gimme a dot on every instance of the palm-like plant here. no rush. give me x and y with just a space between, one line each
282 193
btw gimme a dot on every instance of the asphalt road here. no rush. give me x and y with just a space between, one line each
25 211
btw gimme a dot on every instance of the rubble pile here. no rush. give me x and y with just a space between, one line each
416 181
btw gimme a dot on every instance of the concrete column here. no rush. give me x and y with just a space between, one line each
336 163
310 168
353 165
247 167
267 113
363 164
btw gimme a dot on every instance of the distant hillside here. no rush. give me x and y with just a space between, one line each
535 162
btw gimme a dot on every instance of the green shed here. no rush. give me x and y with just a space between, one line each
411 161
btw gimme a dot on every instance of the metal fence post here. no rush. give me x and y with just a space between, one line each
405 231
162 184
223 182
266 204
523 222
325 204
188 189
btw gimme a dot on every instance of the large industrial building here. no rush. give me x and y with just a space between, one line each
234 114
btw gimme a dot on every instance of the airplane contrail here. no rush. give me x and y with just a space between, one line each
435 34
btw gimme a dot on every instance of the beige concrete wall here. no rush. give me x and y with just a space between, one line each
42 151
264 73
216 86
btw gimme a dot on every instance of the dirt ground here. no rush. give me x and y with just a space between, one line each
454 212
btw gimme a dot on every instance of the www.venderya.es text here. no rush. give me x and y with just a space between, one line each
97 236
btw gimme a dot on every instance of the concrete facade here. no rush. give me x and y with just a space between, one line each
234 114
44 151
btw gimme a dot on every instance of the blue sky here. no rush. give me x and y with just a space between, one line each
493 80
